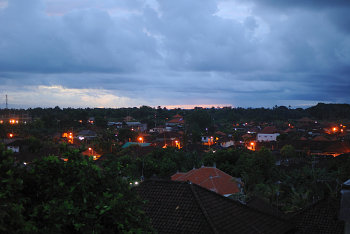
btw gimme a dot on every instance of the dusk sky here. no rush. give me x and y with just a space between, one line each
125 53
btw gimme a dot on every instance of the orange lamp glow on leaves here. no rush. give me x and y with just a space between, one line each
70 138
177 144
252 146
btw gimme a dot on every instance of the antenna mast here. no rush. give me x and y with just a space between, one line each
6 102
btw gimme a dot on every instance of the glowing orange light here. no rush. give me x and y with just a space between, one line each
13 121
10 135
90 148
252 143
140 139
335 129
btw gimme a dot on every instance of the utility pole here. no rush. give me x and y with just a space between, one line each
6 102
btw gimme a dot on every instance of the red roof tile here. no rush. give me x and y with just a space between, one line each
269 130
210 178
177 116
320 138
178 120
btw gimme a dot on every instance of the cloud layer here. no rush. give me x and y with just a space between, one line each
149 52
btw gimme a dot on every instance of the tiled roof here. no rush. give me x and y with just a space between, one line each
210 178
220 133
177 116
181 207
178 120
320 138
305 119
269 130
322 217
127 144
340 147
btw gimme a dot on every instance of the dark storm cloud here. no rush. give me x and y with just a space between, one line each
83 40
313 4
179 52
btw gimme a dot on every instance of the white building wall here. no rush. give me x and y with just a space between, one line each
267 137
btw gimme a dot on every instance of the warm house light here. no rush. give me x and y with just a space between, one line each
10 135
251 146
13 121
335 129
90 149
140 139
70 138
177 144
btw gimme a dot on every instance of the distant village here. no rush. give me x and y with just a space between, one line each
200 152
314 137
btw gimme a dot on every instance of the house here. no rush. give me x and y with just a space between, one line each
159 129
86 135
212 179
177 120
184 207
207 140
128 144
17 145
17 117
137 126
168 139
267 134
226 142
115 124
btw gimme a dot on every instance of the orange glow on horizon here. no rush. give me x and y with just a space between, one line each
199 105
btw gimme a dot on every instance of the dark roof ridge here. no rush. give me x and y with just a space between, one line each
211 224
206 214
216 194
195 190
240 204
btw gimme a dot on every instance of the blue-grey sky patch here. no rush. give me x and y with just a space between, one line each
117 53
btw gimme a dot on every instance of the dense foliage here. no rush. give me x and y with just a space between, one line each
53 196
